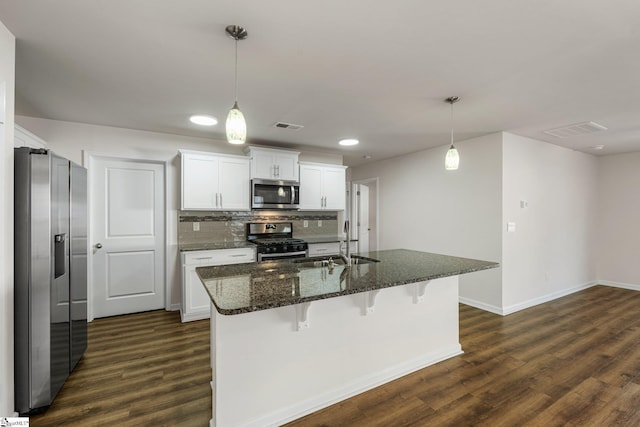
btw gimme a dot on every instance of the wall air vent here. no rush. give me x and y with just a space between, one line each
289 126
575 129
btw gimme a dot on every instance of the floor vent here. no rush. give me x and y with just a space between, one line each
289 126
575 129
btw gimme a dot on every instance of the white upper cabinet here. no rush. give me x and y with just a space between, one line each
214 181
322 187
269 163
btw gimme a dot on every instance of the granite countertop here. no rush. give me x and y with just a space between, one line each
213 246
243 288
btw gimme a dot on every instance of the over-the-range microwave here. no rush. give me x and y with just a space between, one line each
273 194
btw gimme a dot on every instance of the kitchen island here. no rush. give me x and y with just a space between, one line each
291 337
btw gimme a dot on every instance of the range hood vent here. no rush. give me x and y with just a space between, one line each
575 129
289 126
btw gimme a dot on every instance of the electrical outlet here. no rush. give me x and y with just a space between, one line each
305 223
319 223
196 226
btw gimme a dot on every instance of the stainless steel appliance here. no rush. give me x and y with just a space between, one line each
275 240
268 194
50 298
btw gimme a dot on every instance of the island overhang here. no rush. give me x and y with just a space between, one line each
243 288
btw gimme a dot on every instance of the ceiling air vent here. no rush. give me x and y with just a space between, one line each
289 126
575 129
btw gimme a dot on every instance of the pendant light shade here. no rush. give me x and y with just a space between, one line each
452 159
236 126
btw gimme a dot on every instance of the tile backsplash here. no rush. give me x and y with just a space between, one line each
219 227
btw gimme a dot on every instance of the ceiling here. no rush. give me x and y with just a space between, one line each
373 70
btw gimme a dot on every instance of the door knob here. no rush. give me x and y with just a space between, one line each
98 245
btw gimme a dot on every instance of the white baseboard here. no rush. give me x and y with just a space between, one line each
481 305
619 285
189 317
504 311
353 388
173 307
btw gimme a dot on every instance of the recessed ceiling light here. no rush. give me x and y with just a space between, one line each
203 120
366 157
349 141
598 147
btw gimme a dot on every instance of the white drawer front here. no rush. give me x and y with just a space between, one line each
219 256
319 249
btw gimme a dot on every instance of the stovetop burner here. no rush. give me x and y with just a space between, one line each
275 240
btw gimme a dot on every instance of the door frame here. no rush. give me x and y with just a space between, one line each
375 180
88 157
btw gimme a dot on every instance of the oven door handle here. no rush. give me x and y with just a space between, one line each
293 194
301 254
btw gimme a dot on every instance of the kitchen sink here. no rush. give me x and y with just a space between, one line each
323 261
355 259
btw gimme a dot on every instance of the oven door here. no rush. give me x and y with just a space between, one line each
266 194
284 255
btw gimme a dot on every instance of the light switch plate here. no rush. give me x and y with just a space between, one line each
305 223
319 223
196 226
511 227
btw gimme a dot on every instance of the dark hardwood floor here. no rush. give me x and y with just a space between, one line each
144 369
573 361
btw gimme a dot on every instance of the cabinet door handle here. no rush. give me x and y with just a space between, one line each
321 250
216 200
204 257
239 255
278 171
220 199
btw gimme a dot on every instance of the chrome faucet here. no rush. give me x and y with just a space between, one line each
346 256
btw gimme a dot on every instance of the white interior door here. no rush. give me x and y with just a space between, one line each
363 218
127 205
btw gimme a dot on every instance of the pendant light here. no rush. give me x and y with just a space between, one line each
236 126
452 159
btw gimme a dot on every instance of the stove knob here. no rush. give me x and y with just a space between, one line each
285 248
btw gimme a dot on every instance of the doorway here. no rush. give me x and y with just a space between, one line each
127 229
364 214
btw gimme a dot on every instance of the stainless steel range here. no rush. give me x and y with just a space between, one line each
274 240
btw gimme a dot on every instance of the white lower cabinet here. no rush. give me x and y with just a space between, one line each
195 302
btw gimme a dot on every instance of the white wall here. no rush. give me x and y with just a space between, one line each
7 84
619 216
552 252
424 207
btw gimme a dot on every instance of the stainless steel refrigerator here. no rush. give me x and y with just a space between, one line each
50 297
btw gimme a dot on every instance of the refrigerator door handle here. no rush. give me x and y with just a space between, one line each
59 254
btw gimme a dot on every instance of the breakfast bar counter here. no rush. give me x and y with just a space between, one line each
242 288
291 337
